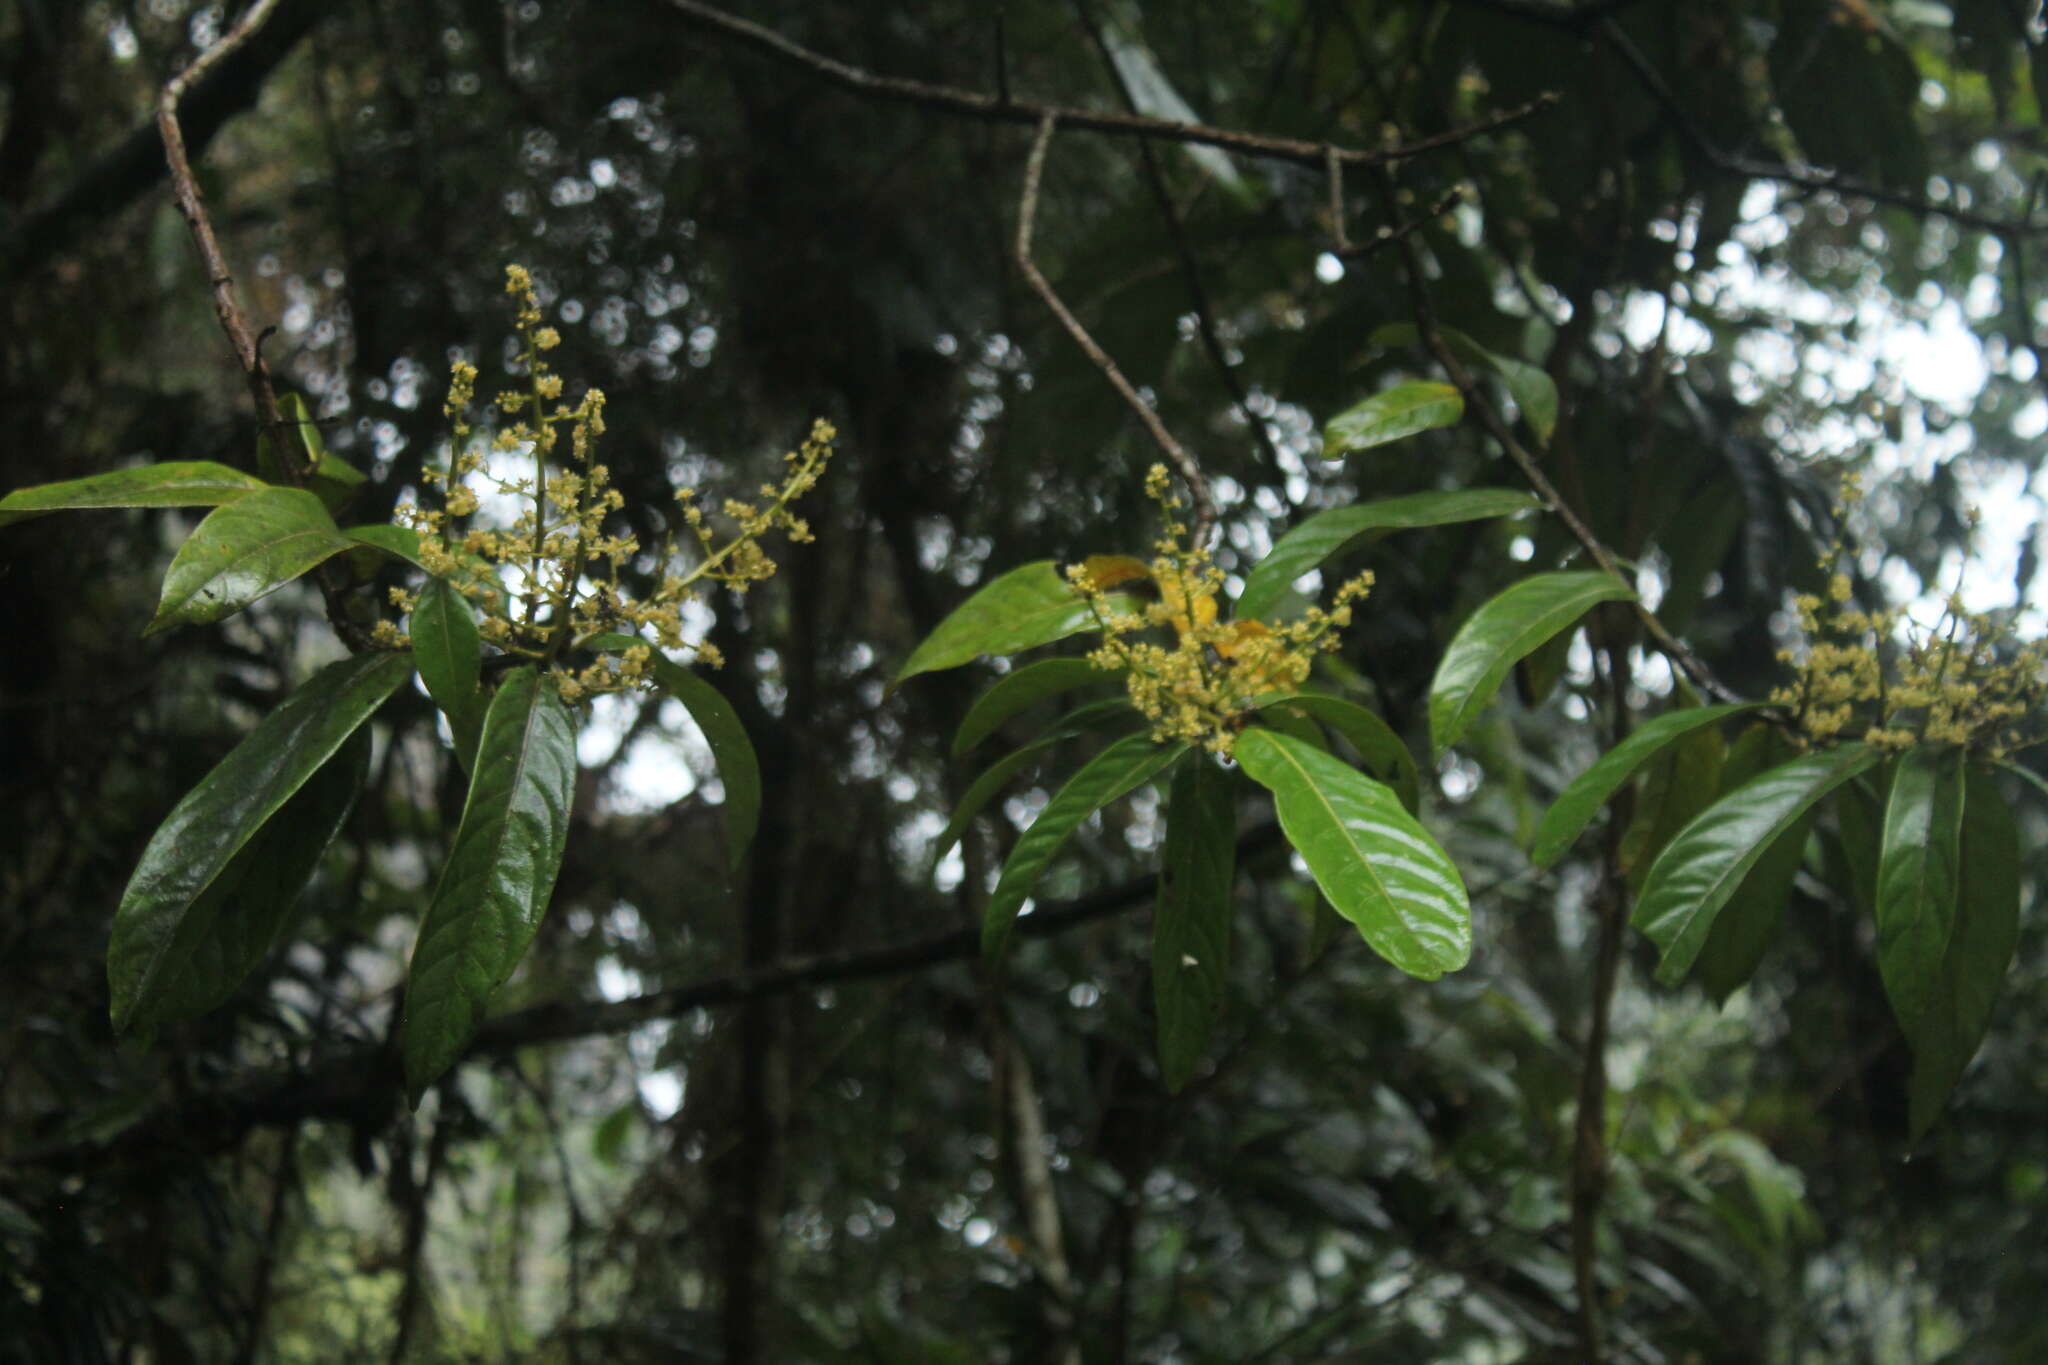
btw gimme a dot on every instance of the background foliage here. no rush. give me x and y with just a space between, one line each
740 1131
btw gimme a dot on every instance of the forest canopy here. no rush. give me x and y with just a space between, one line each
1068 681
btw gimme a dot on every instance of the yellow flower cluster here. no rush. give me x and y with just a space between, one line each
547 582
1871 675
1203 685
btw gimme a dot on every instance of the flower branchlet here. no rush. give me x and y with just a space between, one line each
1879 677
545 581
1199 681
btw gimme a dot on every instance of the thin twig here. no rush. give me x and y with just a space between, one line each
1496 426
1388 235
1198 293
1204 503
975 104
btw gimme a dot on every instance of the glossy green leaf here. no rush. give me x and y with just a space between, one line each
1744 931
998 774
1957 1007
1116 771
188 483
449 653
217 818
1532 389
1705 865
1917 878
1859 830
1191 918
1021 690
242 552
231 927
1028 606
1340 529
1391 414
1378 867
1385 755
327 476
1578 803
1502 631
1677 785
499 874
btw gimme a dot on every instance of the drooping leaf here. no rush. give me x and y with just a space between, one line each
1191 918
1384 753
1678 784
1019 691
1502 631
1918 876
1744 931
1693 879
1957 1005
1029 606
230 928
1378 867
500 873
188 483
217 818
1340 529
244 551
1859 827
449 653
1116 771
1391 414
1578 803
1533 390
992 780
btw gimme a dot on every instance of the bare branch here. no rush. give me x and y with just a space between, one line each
1204 502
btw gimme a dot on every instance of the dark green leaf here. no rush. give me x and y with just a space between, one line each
1028 606
1677 785
1578 803
499 875
327 476
1340 529
1114 772
1533 391
193 483
218 817
1502 631
1384 753
449 652
1191 919
1378 867
1917 878
739 771
1707 863
244 551
1745 930
1019 691
985 787
1390 415
1957 1008
402 542
230 929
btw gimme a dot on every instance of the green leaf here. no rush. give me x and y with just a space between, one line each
245 551
402 542
1578 803
1677 785
1191 918
739 771
231 927
1502 631
1028 606
213 822
1957 1007
330 478
985 787
1533 391
1378 867
1390 415
1917 878
1019 691
1340 529
1382 749
449 652
190 483
1704 866
1744 932
1116 771
499 875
